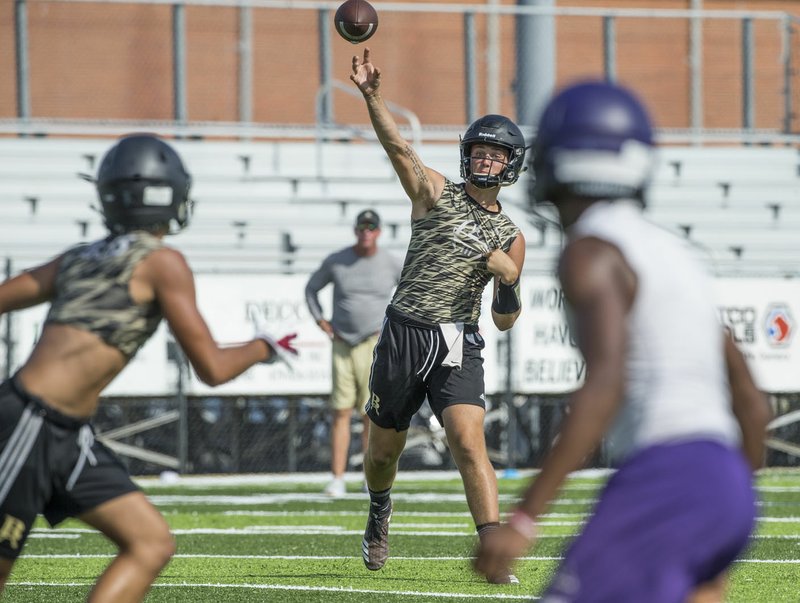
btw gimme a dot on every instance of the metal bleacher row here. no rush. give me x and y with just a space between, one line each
281 207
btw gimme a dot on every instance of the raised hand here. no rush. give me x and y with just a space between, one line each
280 349
365 75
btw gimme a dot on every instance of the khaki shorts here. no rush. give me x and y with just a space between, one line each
350 371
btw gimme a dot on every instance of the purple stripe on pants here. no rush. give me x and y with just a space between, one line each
673 516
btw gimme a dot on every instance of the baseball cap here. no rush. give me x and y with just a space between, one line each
368 216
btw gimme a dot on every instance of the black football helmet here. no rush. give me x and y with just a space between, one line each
500 131
142 183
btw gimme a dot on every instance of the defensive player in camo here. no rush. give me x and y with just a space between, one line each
106 299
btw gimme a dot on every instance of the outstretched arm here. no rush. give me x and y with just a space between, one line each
422 184
750 406
29 288
173 286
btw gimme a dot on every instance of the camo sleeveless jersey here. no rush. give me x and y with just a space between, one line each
445 268
92 291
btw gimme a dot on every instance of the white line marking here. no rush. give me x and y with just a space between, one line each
341 557
336 531
265 499
330 589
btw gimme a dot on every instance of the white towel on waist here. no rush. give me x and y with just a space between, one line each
453 334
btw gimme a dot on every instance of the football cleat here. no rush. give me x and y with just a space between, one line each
375 544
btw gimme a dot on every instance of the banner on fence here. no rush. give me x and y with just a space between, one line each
761 314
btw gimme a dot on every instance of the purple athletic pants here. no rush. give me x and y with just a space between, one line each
673 516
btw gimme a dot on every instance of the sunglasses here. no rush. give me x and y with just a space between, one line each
363 227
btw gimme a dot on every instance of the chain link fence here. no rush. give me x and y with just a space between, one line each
290 434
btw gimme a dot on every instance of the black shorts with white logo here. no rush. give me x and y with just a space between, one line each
50 464
407 367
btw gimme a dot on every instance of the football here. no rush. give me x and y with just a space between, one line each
356 20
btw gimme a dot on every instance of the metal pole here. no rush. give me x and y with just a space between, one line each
245 64
470 81
536 62
492 60
325 53
610 48
696 69
291 461
748 86
183 410
23 75
179 61
511 428
9 341
786 49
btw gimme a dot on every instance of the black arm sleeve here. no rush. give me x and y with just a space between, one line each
507 300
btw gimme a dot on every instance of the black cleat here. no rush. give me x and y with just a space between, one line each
375 545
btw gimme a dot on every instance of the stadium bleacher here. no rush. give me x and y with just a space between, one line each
278 207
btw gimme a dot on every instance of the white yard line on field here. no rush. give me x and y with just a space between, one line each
339 557
328 589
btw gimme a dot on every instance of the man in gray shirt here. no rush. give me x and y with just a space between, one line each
363 278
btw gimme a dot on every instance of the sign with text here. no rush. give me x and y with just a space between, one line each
237 306
546 355
761 314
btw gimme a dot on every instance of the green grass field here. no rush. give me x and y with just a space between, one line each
283 541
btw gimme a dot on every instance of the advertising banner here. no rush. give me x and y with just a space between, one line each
761 314
546 356
237 306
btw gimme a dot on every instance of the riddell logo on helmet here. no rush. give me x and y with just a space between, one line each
487 134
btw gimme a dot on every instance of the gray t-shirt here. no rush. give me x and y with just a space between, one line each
362 288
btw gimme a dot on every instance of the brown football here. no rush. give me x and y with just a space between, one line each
356 20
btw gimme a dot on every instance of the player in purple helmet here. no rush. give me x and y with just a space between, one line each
684 421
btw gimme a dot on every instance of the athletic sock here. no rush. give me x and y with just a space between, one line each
487 528
379 500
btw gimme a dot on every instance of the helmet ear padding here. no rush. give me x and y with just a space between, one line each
143 184
594 140
497 130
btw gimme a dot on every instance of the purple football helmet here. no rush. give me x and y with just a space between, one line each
594 140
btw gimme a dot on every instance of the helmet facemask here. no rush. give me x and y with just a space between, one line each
507 176
498 131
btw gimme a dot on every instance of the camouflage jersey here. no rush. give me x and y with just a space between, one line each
445 268
91 291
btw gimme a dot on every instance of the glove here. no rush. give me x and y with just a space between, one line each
280 349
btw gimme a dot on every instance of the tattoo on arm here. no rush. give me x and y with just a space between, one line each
419 169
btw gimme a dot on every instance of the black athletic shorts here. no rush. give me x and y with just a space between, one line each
50 464
407 367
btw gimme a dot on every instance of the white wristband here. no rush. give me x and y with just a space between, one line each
522 524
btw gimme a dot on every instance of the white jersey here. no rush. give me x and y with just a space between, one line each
676 378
